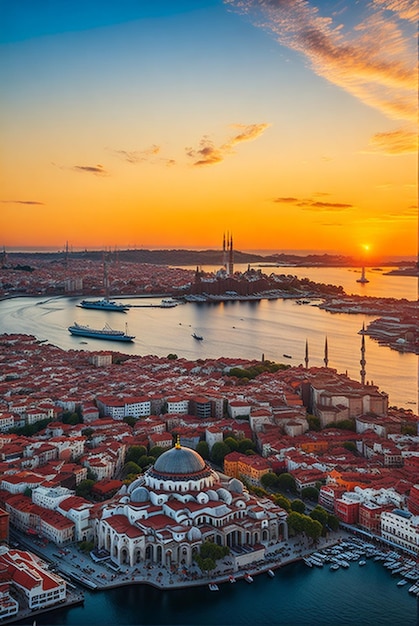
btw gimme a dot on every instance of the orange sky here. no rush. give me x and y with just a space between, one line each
166 128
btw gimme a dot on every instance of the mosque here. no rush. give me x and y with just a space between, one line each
165 515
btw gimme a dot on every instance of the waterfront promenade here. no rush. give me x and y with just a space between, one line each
80 568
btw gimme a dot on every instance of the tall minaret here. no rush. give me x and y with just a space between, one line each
230 267
306 356
363 361
326 353
225 257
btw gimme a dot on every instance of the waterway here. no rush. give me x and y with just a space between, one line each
298 596
270 328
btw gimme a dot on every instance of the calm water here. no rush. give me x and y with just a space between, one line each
241 329
361 596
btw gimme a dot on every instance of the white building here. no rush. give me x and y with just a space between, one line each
177 405
167 513
402 528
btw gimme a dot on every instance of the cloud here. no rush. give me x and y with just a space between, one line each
138 156
309 204
400 141
375 60
29 202
97 170
405 9
208 153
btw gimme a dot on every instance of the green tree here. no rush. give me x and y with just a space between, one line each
156 451
131 421
319 514
172 356
232 443
282 501
312 528
333 522
218 452
295 522
131 468
84 488
245 445
298 506
87 432
349 445
310 493
269 480
314 423
203 449
134 453
286 482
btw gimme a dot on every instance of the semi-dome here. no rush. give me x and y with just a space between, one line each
179 460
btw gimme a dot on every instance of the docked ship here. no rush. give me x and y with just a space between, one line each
104 305
105 333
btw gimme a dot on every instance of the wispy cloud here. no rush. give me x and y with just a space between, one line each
97 170
208 153
374 60
311 204
138 156
29 202
400 141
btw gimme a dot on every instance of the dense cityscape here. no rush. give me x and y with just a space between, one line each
118 468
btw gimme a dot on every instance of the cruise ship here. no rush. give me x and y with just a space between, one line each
105 333
104 305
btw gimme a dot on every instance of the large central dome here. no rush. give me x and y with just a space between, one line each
179 460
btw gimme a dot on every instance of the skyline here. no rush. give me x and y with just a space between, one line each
163 124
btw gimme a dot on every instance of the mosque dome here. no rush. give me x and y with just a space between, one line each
179 460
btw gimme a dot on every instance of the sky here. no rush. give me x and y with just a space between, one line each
291 124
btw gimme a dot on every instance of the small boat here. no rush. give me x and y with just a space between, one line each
248 578
308 562
198 337
362 562
334 567
402 582
231 579
287 356
213 587
168 303
271 573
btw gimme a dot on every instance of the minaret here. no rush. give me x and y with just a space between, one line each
224 252
306 356
363 361
230 268
326 353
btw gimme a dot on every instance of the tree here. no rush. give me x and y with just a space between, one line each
84 489
349 445
87 432
131 468
156 451
245 445
310 493
131 421
232 444
295 522
314 423
134 453
320 514
269 480
312 528
203 449
286 482
218 452
172 356
332 522
282 501
298 506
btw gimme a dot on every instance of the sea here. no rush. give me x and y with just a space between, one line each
297 595
266 329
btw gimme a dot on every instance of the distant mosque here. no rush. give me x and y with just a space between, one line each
165 515
228 254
